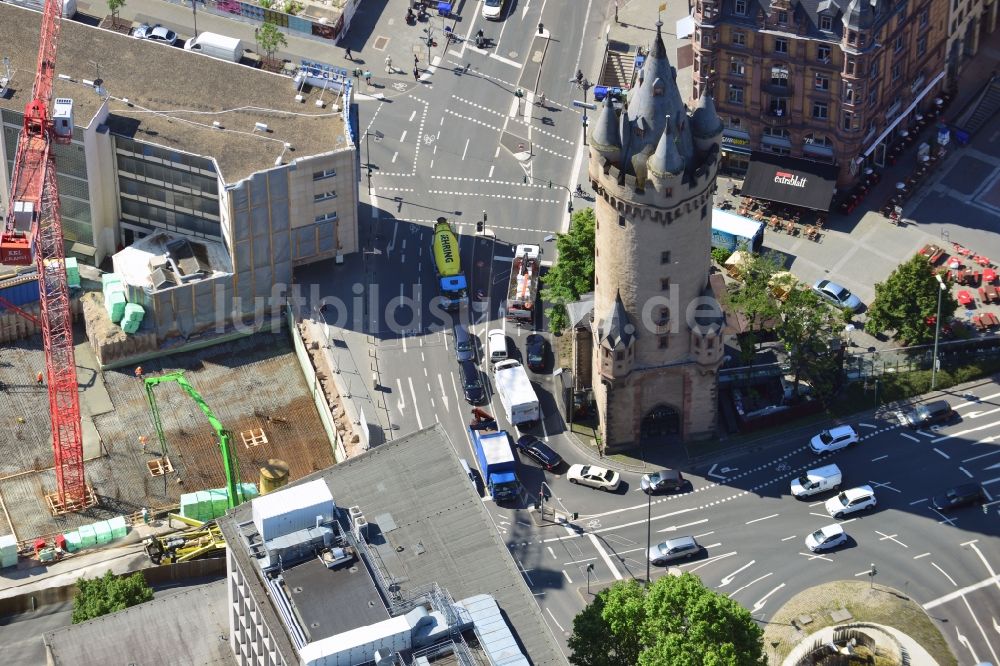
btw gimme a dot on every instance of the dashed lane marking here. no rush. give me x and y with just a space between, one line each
909 436
942 453
508 197
943 573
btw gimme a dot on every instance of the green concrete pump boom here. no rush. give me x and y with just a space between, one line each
233 492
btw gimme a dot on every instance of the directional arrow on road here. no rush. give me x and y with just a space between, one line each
674 528
965 641
711 472
444 396
996 626
726 580
763 600
727 470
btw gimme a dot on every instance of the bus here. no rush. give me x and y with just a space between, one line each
448 266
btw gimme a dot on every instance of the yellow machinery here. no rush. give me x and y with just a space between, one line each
201 542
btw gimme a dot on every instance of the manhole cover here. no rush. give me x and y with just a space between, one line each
380 43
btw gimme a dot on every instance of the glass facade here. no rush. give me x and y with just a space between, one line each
161 188
71 176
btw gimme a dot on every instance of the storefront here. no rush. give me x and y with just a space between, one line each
790 180
735 151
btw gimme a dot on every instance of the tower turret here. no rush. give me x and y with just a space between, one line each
706 126
606 138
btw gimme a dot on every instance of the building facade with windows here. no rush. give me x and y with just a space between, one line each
234 157
826 80
968 22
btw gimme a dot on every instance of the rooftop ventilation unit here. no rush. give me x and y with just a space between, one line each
260 127
300 98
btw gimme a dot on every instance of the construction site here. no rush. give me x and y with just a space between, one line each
255 386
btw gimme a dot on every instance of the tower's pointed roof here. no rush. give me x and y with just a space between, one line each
705 122
616 328
666 160
606 135
651 101
860 15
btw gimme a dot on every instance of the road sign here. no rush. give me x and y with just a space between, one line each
585 105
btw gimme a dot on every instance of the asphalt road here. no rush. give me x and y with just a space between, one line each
753 529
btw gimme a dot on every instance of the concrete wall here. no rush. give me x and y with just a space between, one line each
102 181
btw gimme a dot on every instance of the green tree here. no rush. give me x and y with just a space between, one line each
754 297
573 272
115 6
108 594
270 39
676 620
907 300
806 328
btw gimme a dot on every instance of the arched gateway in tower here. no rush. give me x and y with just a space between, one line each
653 167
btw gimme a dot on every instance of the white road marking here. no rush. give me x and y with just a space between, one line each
466 150
698 536
552 553
726 580
714 545
492 166
934 603
413 394
568 579
944 519
890 537
909 436
444 396
967 472
965 641
982 455
965 432
554 621
755 580
589 559
985 638
403 138
943 573
886 484
394 156
710 560
674 528
929 435
763 600
711 472
414 113
879 458
975 415
986 483
977 401
815 556
942 453
787 538
604 554
863 573
757 520
505 61
867 425
920 556
919 501
985 563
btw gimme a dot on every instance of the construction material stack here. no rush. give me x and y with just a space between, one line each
523 289
132 318
115 298
8 551
204 505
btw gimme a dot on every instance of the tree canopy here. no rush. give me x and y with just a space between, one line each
906 303
573 272
115 6
108 594
754 297
270 39
676 620
806 328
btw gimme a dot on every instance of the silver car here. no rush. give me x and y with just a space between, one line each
156 33
674 549
839 296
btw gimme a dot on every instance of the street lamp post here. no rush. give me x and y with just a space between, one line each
368 156
194 10
937 331
871 576
649 520
590 567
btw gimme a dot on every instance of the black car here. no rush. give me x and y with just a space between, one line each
536 347
538 451
931 413
958 496
472 383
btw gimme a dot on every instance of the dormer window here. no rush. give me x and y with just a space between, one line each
741 7
782 18
826 23
852 36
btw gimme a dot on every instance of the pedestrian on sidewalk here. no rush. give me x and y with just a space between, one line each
347 54
541 100
388 64
416 74
416 61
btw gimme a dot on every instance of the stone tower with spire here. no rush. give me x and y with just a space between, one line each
653 166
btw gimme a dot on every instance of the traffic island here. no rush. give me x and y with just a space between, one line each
880 620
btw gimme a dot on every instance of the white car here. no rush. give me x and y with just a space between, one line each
826 538
834 439
594 476
156 33
492 9
851 501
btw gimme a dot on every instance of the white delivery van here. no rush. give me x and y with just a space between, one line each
496 343
817 480
216 45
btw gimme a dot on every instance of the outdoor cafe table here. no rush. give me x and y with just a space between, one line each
964 298
989 276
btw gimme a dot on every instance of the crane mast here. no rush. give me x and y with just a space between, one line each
32 231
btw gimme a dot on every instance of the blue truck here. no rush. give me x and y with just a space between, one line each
496 463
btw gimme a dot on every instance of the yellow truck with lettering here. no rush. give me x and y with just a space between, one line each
454 289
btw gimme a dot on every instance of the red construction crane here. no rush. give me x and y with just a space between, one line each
33 231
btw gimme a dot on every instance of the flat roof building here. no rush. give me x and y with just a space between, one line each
166 140
410 566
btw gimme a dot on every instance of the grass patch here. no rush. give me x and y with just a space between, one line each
881 605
